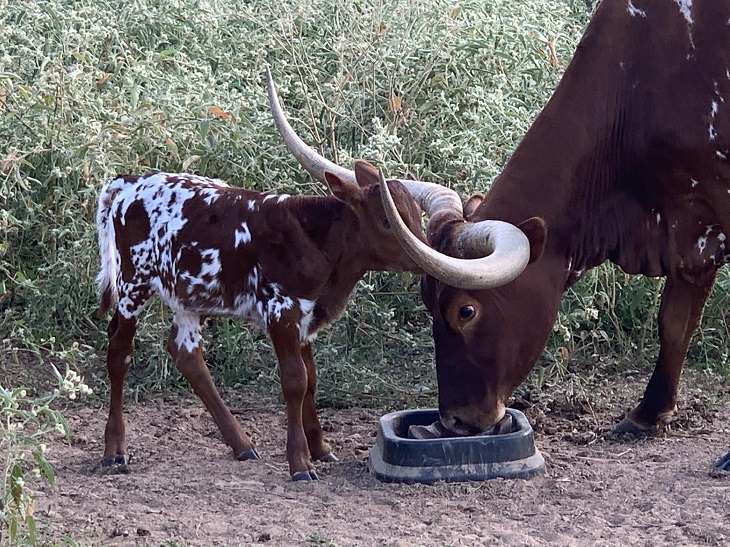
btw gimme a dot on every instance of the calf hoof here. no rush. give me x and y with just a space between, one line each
329 458
249 454
310 475
721 467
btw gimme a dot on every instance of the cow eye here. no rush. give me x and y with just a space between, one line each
386 224
466 312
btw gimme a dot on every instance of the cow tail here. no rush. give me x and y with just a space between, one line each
106 280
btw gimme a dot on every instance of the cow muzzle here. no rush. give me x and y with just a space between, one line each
464 422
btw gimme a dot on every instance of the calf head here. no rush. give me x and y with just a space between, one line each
374 233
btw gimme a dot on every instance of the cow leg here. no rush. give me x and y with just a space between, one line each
294 385
679 315
318 447
118 357
184 346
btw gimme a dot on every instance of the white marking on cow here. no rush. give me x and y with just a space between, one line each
188 330
694 182
251 205
282 197
721 155
658 218
267 197
701 244
685 8
634 11
242 235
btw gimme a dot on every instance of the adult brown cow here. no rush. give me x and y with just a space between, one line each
627 162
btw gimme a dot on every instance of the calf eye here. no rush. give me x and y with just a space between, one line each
386 224
466 312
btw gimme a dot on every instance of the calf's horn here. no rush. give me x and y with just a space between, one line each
503 250
429 196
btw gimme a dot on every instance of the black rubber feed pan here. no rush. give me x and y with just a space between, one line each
397 458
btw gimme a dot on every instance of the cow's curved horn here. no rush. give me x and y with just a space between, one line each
315 164
502 248
430 197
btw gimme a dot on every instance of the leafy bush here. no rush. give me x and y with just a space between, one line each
27 421
439 90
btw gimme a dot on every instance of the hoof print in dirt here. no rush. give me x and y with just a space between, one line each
310 475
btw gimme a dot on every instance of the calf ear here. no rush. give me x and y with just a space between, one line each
536 231
366 174
343 190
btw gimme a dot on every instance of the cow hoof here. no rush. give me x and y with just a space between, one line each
249 454
118 463
310 475
329 458
721 467
627 426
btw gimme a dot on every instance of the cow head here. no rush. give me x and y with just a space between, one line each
491 312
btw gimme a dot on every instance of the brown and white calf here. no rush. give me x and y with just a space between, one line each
284 263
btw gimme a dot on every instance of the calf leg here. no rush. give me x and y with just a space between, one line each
679 314
318 447
294 384
118 357
184 346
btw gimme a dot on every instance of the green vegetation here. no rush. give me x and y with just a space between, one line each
440 90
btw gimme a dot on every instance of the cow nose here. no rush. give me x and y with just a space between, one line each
459 426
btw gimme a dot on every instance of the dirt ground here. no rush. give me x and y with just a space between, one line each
185 488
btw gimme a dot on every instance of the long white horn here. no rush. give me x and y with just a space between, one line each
502 248
314 163
429 196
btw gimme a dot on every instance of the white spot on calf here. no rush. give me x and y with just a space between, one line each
721 155
188 330
242 235
307 309
694 182
282 197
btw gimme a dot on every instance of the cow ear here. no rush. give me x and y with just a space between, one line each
366 174
343 190
471 205
536 231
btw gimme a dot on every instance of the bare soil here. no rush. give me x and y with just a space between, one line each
184 487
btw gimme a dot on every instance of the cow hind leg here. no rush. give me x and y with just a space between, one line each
679 315
184 347
121 332
318 447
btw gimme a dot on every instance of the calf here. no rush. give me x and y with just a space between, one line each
284 263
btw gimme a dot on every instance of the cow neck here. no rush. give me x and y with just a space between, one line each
576 167
333 227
